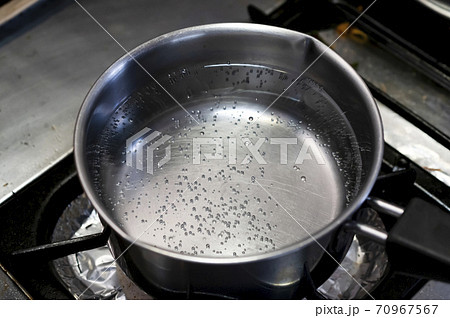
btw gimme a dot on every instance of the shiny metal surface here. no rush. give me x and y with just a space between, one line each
385 207
367 231
441 7
90 274
218 208
208 69
413 90
365 260
416 145
396 78
46 70
87 274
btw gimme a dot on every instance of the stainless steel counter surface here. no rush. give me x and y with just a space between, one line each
410 88
396 78
46 71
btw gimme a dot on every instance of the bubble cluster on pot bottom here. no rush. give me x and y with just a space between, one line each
218 208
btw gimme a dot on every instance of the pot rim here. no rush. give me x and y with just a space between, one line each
83 120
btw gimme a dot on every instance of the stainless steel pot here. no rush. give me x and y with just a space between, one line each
221 78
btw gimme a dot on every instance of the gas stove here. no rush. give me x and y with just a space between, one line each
53 245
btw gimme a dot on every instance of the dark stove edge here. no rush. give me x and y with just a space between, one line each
11 290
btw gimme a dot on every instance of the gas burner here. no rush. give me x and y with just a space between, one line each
93 274
366 261
90 274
